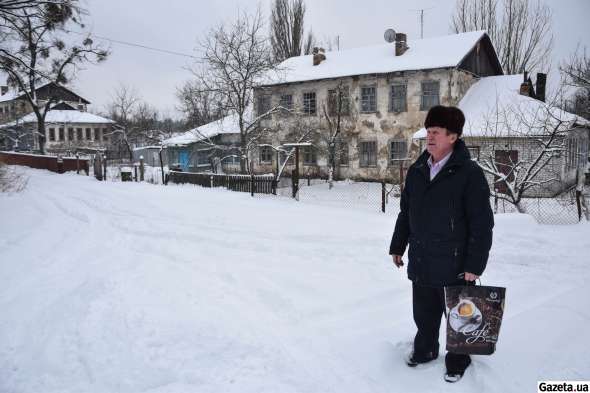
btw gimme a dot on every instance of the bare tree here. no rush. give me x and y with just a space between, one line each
541 134
33 50
199 105
336 111
310 43
286 28
236 58
124 102
519 29
576 73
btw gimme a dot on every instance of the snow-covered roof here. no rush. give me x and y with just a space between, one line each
226 125
9 96
494 107
427 53
62 116
12 94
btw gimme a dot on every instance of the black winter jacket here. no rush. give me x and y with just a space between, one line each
447 221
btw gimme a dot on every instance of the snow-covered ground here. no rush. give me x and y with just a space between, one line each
133 287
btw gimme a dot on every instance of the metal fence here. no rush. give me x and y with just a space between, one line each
559 210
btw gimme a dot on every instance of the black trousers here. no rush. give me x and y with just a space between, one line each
428 304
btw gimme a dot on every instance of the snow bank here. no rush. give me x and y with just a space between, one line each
131 287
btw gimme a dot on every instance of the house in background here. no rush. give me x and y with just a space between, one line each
68 125
66 131
14 104
386 91
508 121
210 147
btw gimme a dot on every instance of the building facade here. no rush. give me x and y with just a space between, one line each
379 105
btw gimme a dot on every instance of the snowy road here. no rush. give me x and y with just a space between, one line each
126 287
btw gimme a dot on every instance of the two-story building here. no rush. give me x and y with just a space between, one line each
68 125
14 104
380 94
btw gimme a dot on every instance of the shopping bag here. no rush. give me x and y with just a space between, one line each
474 315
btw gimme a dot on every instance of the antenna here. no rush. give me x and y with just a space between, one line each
389 35
422 19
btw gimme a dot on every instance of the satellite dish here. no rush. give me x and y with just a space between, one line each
389 35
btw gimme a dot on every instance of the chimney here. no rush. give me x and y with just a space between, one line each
401 45
524 86
318 56
540 86
3 90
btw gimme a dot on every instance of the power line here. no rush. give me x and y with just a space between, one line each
134 44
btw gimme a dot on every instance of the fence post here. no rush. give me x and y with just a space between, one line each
162 166
383 196
134 171
295 174
141 168
77 163
252 184
104 164
578 195
211 180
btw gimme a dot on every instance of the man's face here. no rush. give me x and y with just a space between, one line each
439 142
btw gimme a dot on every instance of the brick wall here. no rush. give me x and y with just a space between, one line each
43 162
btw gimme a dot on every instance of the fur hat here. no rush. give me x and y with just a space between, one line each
448 117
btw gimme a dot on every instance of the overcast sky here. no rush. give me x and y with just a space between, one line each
176 25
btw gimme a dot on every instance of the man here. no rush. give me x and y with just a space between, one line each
446 218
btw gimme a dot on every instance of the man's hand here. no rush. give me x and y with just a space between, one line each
471 276
397 260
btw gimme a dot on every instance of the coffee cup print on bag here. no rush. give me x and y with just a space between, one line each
465 317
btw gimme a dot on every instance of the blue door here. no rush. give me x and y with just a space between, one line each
183 160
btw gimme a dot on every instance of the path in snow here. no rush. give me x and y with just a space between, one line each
140 288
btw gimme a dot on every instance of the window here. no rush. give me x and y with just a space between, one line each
88 134
474 152
104 135
1 109
203 157
285 153
309 155
309 103
52 134
368 154
286 101
70 134
265 155
79 132
397 98
368 99
80 107
97 135
343 153
231 160
398 150
333 102
430 95
263 104
505 161
61 134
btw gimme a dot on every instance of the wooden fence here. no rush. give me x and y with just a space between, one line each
254 184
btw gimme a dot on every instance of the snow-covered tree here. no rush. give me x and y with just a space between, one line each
33 49
540 133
